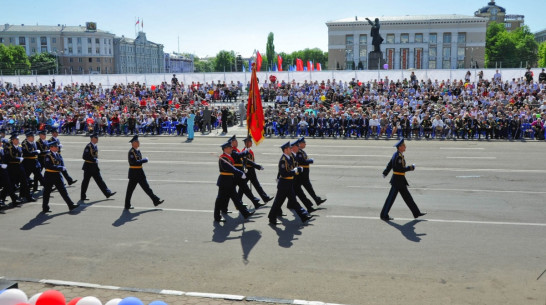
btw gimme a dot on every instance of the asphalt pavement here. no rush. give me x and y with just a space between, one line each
482 241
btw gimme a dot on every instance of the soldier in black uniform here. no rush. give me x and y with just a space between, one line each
91 169
30 161
137 176
41 145
54 135
285 188
5 180
298 190
304 161
226 185
251 167
399 183
238 162
13 155
53 165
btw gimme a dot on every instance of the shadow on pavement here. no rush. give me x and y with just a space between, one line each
83 205
408 230
40 220
249 239
288 231
128 216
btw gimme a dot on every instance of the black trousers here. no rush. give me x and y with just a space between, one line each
7 186
67 177
141 180
225 193
17 175
298 190
93 171
32 168
253 178
243 189
306 183
403 190
285 190
54 179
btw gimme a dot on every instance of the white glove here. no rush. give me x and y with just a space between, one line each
262 168
20 159
64 169
384 176
300 169
97 161
413 166
60 145
4 166
145 159
243 176
37 151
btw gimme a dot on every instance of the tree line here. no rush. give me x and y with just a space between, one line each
14 61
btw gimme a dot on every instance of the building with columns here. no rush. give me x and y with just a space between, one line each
79 49
410 42
139 55
178 63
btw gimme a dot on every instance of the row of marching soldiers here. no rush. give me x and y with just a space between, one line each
19 161
238 167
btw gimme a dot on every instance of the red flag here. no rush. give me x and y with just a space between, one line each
309 66
279 61
258 61
254 111
138 21
319 66
299 64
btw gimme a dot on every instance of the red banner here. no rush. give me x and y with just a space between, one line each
299 64
279 62
254 111
258 61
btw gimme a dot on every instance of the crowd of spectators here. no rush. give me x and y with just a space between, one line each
493 108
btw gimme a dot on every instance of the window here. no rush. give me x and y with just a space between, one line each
460 53
1 40
97 40
432 53
404 38
447 53
461 38
97 50
447 38
349 40
43 40
432 64
418 58
79 40
98 69
79 50
508 25
104 40
433 38
404 58
90 59
54 40
32 40
22 41
493 18
11 40
363 39
89 50
390 38
446 64
43 49
71 59
419 38
89 40
81 69
70 50
33 50
80 59
460 64
69 39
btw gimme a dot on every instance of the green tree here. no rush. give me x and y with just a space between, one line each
510 49
542 55
43 63
526 46
270 49
203 65
14 60
225 61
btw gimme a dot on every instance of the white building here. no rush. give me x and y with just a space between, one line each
138 55
177 63
410 42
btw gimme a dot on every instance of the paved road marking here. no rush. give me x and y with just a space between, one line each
467 176
462 148
100 206
471 157
448 221
450 190
336 155
165 151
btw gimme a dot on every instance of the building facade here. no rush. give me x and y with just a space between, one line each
540 36
79 49
139 55
178 63
409 42
495 13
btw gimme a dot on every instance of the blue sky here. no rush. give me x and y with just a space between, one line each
206 27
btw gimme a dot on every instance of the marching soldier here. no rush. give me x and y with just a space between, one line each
41 144
137 176
298 191
30 161
54 138
238 162
304 161
7 185
91 169
226 185
53 165
399 184
285 188
14 156
251 167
